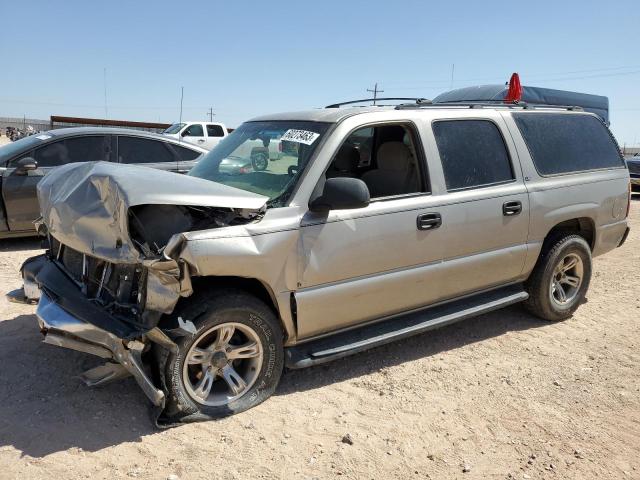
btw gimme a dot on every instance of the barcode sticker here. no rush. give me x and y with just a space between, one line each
300 136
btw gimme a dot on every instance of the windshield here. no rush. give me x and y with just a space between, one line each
263 157
21 146
175 128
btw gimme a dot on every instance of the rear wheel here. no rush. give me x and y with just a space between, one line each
232 363
560 279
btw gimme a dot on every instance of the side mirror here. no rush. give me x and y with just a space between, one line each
24 165
341 193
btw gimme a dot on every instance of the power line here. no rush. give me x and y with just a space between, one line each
375 92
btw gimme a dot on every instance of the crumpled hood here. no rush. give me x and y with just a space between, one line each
84 205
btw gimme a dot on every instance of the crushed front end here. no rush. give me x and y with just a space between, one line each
112 271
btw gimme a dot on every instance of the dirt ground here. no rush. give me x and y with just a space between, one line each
501 396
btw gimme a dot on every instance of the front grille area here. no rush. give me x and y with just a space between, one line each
117 287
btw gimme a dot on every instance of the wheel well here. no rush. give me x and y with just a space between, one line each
250 285
582 226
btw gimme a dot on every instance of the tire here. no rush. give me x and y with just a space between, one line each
260 162
554 277
200 356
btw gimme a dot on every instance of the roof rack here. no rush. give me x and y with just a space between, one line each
488 104
418 101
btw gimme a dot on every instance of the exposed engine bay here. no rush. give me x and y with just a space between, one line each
152 226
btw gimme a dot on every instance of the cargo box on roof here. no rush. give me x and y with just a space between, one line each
597 104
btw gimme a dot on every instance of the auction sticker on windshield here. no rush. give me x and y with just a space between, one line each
300 136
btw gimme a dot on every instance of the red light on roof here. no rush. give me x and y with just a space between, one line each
514 94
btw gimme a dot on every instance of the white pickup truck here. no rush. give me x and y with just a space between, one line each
204 134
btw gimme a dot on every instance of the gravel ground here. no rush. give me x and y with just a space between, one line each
503 395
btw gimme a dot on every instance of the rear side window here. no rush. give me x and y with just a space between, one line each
473 153
567 143
185 154
142 150
215 131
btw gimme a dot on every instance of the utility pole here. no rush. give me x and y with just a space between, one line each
181 98
106 112
453 68
211 114
375 92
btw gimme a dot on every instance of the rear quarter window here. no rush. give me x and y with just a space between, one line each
561 144
473 153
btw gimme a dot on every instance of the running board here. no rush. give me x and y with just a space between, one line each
357 340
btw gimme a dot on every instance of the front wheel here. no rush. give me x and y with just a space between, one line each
232 363
560 279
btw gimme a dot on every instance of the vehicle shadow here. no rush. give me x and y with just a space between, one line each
430 343
45 406
20 244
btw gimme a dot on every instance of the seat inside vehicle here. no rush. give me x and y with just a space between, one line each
396 174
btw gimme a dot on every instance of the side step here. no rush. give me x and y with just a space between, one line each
357 340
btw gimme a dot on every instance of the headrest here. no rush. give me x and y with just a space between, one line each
394 156
347 159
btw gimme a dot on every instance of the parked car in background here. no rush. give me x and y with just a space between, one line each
204 134
257 152
23 163
213 282
633 163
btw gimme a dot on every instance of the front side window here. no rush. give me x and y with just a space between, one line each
252 157
473 153
215 131
143 150
384 157
194 130
80 149
568 143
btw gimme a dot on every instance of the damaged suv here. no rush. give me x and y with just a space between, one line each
382 223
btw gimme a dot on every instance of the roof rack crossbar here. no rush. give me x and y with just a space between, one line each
418 101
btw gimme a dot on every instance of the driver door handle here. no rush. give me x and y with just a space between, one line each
429 221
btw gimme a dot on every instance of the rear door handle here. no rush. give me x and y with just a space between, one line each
429 221
511 208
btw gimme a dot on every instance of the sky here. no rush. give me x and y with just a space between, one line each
251 58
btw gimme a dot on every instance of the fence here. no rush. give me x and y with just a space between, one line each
64 122
22 123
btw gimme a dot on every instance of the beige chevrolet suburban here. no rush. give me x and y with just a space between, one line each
384 222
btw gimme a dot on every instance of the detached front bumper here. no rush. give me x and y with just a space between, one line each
63 316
